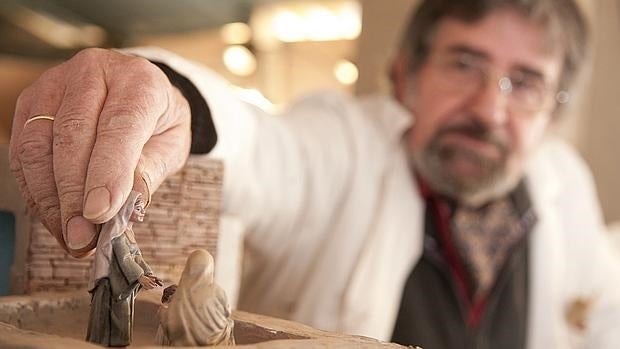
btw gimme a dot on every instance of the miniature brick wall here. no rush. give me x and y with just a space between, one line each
183 216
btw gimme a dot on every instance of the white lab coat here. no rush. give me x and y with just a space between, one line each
335 221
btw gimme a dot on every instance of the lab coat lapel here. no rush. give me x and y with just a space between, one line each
373 296
545 325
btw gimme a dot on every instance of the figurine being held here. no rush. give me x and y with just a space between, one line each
198 313
119 272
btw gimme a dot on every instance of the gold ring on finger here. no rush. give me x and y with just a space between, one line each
39 117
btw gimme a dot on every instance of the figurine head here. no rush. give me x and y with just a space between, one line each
199 269
139 210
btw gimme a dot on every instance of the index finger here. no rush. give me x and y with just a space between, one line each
30 151
130 115
75 129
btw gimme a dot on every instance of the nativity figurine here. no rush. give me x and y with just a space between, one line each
118 273
198 314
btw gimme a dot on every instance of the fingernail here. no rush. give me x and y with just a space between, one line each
97 203
80 233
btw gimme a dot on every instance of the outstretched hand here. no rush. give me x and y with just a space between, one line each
149 282
118 124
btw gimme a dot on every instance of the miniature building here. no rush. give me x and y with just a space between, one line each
183 216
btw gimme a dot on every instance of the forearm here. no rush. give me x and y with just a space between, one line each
145 267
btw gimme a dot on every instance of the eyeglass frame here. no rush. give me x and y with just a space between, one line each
486 74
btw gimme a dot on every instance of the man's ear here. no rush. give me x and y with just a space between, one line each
398 75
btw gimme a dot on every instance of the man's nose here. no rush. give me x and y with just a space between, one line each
489 103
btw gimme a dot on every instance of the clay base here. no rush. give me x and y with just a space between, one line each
58 321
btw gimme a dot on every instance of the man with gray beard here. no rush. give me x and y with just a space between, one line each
441 216
494 179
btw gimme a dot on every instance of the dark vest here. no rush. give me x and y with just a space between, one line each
432 316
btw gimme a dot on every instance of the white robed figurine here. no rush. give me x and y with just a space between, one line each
198 313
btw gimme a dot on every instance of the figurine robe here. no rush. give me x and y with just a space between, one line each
198 313
115 280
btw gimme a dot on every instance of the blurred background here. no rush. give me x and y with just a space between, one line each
277 50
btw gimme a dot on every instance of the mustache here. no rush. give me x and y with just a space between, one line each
479 132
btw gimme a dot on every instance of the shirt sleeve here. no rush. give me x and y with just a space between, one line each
281 172
204 136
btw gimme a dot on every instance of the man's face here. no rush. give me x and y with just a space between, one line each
481 102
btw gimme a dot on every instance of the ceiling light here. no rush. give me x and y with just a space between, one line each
306 21
239 60
236 33
288 26
346 72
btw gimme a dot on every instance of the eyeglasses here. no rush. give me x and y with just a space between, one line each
466 73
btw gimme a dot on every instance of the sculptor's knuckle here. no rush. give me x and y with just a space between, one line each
71 121
15 164
69 129
52 218
21 184
26 96
149 87
90 54
34 152
90 87
32 208
52 74
126 118
47 198
87 62
144 67
151 101
70 193
148 77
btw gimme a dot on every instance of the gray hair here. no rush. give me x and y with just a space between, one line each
563 21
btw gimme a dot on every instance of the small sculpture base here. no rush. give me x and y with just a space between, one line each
58 321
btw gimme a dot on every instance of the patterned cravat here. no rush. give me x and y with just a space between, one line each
483 237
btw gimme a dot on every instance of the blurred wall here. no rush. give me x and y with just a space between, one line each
15 73
599 121
381 28
285 72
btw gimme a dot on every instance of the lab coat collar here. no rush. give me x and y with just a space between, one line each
393 119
